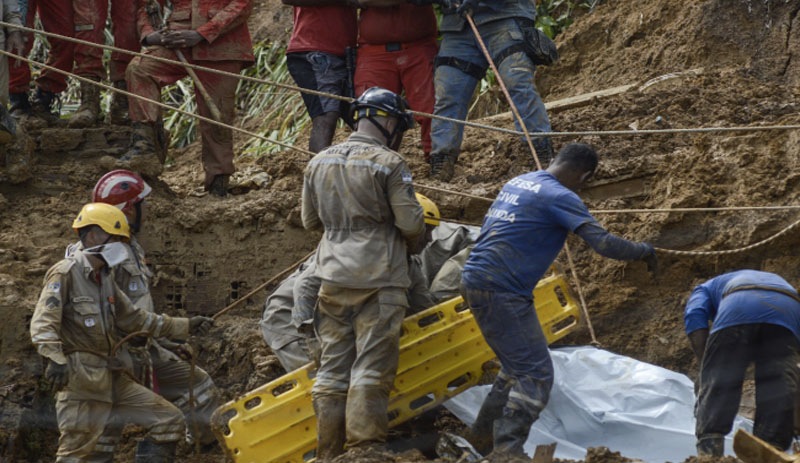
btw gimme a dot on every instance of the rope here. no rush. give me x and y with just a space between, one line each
528 138
157 103
415 113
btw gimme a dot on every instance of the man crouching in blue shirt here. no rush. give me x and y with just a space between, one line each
756 319
521 236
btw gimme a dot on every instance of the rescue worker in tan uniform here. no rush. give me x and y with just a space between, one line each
157 364
287 322
76 325
360 191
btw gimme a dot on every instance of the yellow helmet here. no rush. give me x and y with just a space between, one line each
429 210
105 216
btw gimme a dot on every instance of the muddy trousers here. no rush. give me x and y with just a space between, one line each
359 333
774 351
171 375
146 78
510 326
81 421
56 17
90 22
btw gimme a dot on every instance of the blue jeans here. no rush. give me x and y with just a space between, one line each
511 328
454 87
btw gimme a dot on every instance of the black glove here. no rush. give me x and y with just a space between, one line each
57 375
200 325
466 7
651 260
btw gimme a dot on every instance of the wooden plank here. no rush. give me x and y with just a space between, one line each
544 453
573 101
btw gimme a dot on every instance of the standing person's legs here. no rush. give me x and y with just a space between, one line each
56 17
325 73
511 328
459 68
126 36
135 404
728 353
776 375
334 328
377 320
217 141
89 18
81 423
376 67
416 73
19 72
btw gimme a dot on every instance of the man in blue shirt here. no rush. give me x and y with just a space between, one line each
521 236
756 319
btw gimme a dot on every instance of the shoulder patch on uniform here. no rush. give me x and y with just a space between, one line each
54 286
406 176
52 303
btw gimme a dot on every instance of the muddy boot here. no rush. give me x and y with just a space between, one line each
330 411
480 434
86 115
45 107
148 451
544 150
219 186
711 445
443 167
367 422
510 433
143 152
118 108
8 129
20 106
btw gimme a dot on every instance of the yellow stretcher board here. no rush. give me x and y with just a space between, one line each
442 353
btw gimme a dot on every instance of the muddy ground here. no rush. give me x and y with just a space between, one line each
207 252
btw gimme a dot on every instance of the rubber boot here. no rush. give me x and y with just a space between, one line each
8 129
480 434
544 150
20 106
510 433
143 153
330 411
443 167
86 115
219 186
118 108
148 451
44 107
711 446
367 421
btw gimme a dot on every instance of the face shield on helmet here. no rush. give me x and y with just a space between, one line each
379 102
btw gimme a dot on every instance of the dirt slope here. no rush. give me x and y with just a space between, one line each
208 252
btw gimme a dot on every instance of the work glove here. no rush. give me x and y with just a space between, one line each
199 325
57 375
651 260
466 7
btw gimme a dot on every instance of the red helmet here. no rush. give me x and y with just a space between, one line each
121 188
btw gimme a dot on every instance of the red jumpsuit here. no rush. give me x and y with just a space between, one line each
396 49
90 21
226 46
56 17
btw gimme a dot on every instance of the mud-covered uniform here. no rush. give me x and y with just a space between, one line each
77 322
396 49
90 23
57 18
226 46
522 233
156 366
361 193
289 312
9 12
756 319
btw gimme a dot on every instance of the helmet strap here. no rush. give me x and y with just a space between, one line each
390 136
137 222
